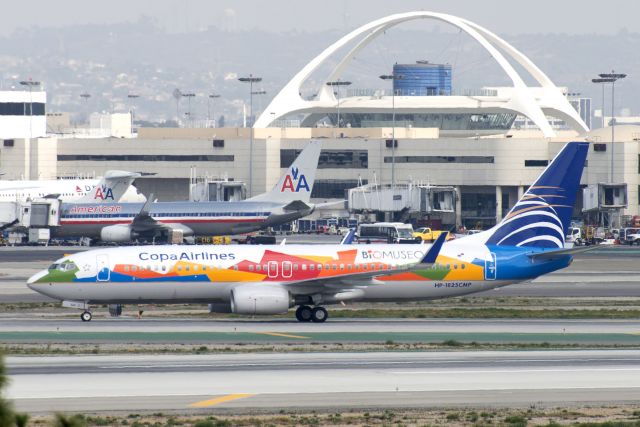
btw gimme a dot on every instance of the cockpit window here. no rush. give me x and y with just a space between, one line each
64 266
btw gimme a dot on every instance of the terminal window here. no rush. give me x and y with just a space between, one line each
536 163
146 158
330 159
440 159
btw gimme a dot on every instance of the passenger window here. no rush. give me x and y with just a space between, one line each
187 268
164 268
204 268
251 268
126 268
264 267
326 267
235 267
258 267
365 266
312 267
455 266
179 268
341 266
462 266
295 267
335 267
304 267
195 268
348 266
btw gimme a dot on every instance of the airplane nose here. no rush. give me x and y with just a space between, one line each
36 277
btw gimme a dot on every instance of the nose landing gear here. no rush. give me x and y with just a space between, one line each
86 316
304 313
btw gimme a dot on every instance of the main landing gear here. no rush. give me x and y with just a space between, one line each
86 316
304 313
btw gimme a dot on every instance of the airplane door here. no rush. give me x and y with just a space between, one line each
286 269
273 269
490 267
104 273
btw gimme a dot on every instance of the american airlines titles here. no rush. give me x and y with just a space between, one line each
186 256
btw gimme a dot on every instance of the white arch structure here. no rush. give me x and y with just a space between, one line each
521 100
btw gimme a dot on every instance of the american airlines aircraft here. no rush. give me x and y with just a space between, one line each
124 222
527 243
111 187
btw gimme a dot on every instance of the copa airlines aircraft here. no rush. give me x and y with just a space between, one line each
527 243
124 222
114 186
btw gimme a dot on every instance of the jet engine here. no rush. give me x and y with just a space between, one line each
116 233
260 299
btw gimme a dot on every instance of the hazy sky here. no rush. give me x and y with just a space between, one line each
501 16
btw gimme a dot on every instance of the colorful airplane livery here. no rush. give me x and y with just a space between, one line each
271 279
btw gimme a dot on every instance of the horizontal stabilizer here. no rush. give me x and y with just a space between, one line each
548 255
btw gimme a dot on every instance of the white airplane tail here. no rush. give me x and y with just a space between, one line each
297 183
111 188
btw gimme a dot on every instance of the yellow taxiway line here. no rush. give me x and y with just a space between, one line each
219 400
278 334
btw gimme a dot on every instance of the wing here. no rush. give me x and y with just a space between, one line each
351 282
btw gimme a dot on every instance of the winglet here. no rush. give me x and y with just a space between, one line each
348 238
433 252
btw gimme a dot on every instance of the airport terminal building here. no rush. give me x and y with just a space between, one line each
422 132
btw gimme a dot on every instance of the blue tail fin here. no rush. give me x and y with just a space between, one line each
541 217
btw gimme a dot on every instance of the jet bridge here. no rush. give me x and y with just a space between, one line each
404 200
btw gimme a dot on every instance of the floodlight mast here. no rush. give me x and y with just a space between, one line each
251 80
30 84
604 78
392 77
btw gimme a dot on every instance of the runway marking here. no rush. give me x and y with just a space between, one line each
279 334
219 400
515 371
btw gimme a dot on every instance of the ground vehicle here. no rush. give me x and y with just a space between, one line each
585 235
629 236
386 232
429 235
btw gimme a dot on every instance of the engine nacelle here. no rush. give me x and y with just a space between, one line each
260 299
116 233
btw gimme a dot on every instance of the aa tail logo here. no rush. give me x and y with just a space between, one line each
294 182
103 193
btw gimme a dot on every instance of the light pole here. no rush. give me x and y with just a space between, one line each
611 77
30 84
132 97
251 80
601 82
85 96
393 77
189 96
212 96
335 85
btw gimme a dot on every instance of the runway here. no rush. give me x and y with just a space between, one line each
322 380
248 331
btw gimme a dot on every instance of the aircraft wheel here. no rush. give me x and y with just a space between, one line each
86 316
319 314
304 313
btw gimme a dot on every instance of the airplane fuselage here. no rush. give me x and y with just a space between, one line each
202 218
206 274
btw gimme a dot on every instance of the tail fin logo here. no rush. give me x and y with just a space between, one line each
294 182
103 193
